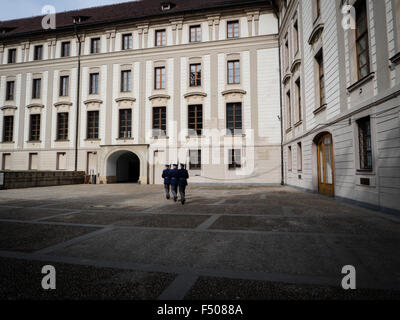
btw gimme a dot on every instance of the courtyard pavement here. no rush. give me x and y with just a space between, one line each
126 241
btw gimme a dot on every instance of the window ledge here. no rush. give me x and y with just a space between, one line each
395 59
35 105
123 139
63 103
160 137
361 82
7 142
235 135
288 130
195 136
121 99
34 141
61 140
159 96
194 93
92 139
365 172
233 91
298 123
86 102
8 107
320 109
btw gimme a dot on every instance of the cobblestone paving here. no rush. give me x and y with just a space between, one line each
126 241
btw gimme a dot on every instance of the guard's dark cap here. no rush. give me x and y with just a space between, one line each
175 165
182 164
167 165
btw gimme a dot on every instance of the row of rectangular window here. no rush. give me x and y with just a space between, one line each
361 45
195 123
33 162
364 147
234 159
127 41
126 81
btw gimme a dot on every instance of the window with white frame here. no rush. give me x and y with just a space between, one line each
127 42
126 81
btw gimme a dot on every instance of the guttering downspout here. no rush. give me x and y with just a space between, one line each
77 97
276 12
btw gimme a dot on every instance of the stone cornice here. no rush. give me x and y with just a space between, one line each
191 94
125 99
8 107
93 101
159 96
239 91
35 105
63 103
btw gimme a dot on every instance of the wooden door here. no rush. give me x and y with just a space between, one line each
326 173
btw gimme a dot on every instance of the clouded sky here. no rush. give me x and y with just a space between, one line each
14 9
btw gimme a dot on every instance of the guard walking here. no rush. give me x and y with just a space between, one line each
167 180
173 174
183 175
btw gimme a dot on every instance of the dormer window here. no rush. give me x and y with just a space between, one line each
4 30
79 19
166 6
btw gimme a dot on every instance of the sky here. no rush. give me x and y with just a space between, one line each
14 9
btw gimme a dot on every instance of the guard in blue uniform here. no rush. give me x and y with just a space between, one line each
183 175
173 174
167 180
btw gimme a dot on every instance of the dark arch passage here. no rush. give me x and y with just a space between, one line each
127 168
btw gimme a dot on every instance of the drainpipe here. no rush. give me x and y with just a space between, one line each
76 21
276 12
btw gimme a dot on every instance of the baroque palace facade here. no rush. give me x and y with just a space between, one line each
300 92
340 77
194 82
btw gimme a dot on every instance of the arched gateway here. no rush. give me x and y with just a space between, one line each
122 167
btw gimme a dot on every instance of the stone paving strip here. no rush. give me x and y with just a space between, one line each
393 237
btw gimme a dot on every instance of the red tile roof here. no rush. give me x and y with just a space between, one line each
113 13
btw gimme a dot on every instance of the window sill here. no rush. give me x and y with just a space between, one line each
361 82
288 130
320 109
124 139
61 140
360 172
194 136
395 59
34 141
7 142
92 139
237 135
160 137
298 123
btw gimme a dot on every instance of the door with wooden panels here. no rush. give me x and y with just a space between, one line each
326 172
